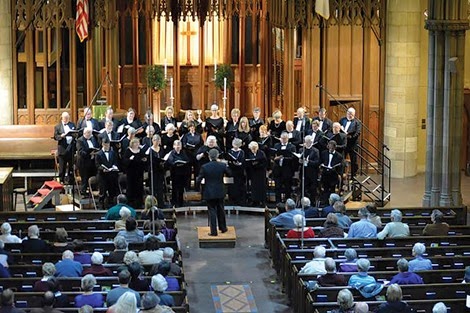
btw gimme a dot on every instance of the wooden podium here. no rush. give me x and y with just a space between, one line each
222 240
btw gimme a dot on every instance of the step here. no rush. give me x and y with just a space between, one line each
44 191
365 180
52 184
36 200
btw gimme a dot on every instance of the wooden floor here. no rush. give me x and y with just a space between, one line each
222 240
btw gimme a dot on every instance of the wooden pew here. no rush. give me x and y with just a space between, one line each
50 215
26 142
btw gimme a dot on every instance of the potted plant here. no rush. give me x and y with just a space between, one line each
156 77
223 71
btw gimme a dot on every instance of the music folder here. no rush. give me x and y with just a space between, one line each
73 131
114 168
118 140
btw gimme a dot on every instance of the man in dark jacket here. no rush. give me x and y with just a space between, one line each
214 193
8 301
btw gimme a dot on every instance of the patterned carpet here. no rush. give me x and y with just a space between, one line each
233 299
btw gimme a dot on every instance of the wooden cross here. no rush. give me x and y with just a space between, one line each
188 33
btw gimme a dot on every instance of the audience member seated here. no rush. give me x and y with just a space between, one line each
331 228
160 285
120 224
466 278
48 272
361 307
309 210
6 235
300 231
48 304
127 302
113 212
168 255
438 227
85 309
150 304
331 278
132 234
345 302
317 265
419 263
343 220
396 228
149 206
32 244
8 302
361 278
350 265
329 209
95 300
124 278
439 307
68 267
164 270
60 244
4 273
151 253
120 249
97 268
394 302
5 256
286 219
362 228
158 226
80 254
372 216
60 300
129 258
137 283
404 277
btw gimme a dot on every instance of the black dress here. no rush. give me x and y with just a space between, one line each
256 165
184 129
245 138
276 129
167 142
236 163
135 164
179 166
136 124
215 127
230 133
191 144
157 173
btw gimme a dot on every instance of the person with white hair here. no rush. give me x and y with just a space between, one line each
331 278
345 301
97 267
276 126
362 278
126 303
295 137
169 255
336 135
256 165
309 210
309 160
68 267
301 121
404 277
396 228
439 307
350 264
6 235
361 307
33 244
48 272
299 221
317 265
419 263
214 126
284 166
88 297
124 213
332 199
286 219
120 249
65 141
169 138
352 127
202 155
160 285
343 220
86 144
150 304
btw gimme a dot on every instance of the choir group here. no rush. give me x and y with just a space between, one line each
251 148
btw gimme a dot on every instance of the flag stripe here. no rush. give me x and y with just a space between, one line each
82 20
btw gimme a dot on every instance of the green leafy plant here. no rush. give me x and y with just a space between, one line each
156 77
224 70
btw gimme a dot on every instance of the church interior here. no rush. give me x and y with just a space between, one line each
401 66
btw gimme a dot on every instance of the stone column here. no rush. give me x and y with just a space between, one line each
402 85
6 59
446 23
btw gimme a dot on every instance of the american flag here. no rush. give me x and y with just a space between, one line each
82 19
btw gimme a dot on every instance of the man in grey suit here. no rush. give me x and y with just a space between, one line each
214 193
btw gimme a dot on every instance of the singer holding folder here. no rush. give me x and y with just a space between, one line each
64 134
283 167
107 165
178 162
331 163
87 146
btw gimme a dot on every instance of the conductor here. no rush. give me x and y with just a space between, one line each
214 193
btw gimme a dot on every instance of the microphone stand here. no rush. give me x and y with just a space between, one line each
303 183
